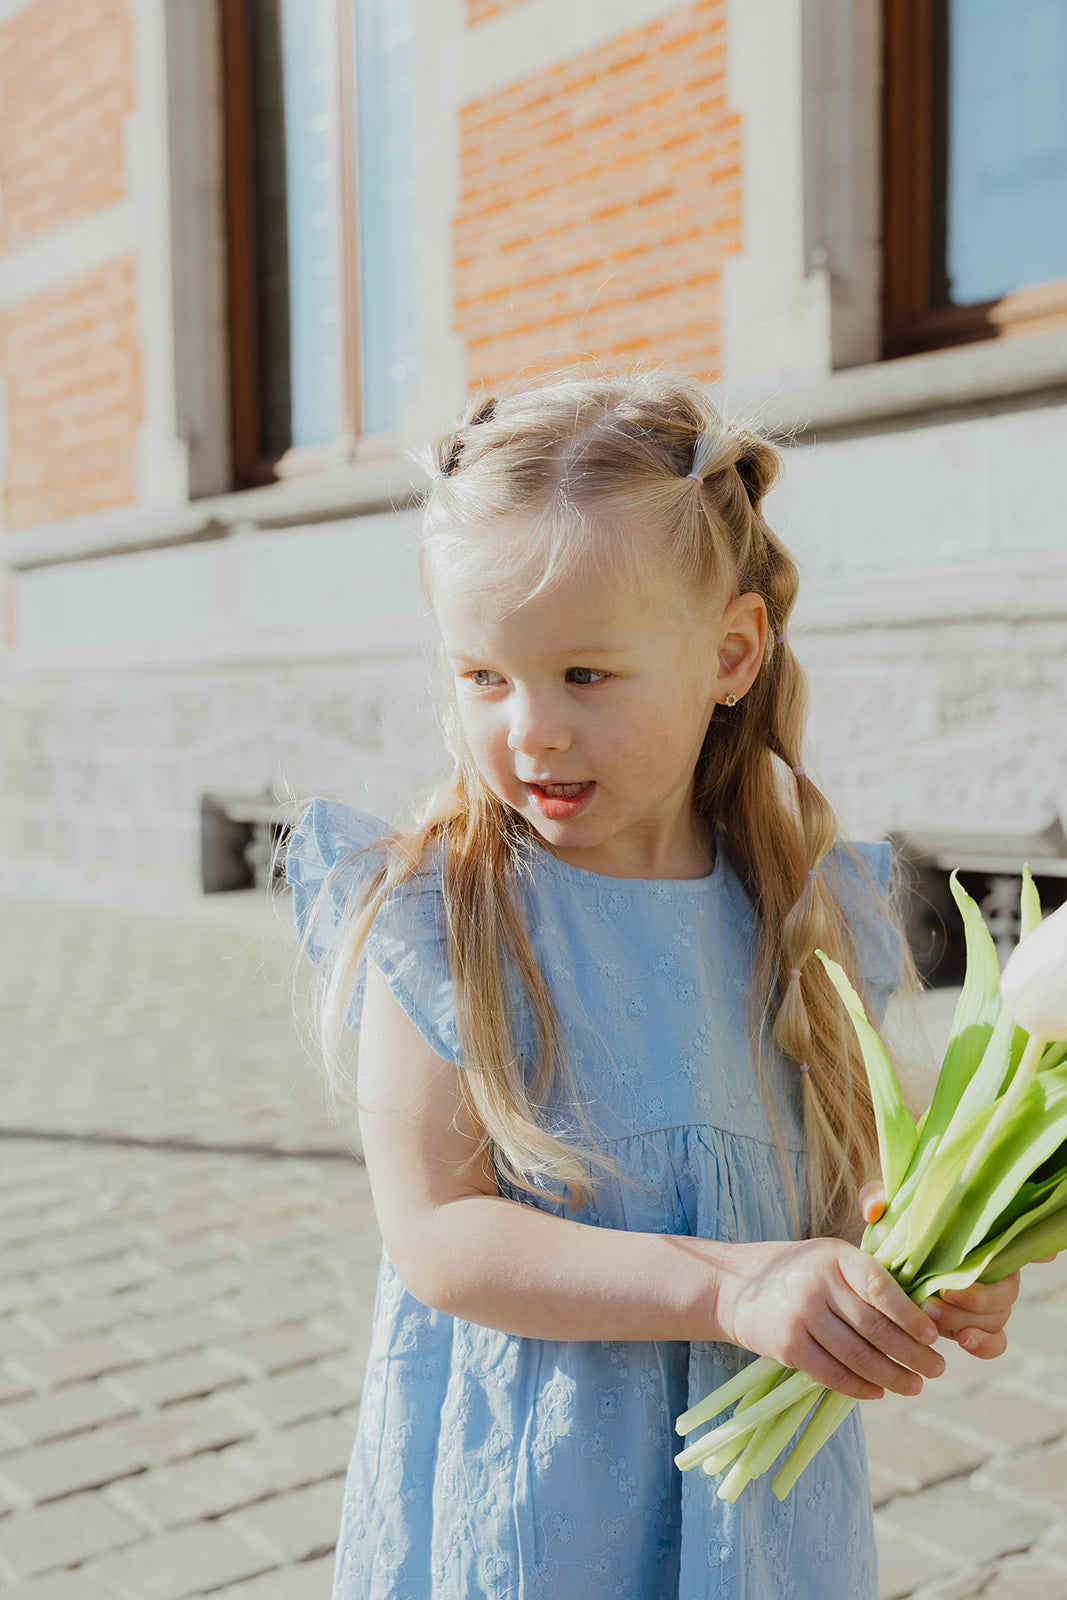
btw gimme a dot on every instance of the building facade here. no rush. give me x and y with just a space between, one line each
252 254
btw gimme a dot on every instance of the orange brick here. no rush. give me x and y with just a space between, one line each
482 10
67 86
600 198
71 362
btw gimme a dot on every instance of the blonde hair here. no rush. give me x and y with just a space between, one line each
572 461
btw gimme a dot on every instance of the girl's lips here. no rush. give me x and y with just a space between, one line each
558 802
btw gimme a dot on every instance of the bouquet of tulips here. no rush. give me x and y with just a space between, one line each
975 1190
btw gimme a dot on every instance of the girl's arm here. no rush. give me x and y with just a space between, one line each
460 1247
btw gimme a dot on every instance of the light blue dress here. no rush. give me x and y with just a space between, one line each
489 1466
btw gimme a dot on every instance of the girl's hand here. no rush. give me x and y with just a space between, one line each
828 1308
973 1317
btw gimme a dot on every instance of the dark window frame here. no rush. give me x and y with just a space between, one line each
912 320
253 465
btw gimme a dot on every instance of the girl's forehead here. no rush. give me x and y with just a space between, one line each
609 568
578 613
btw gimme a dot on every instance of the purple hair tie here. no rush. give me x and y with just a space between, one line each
695 475
812 872
783 638
803 1067
799 772
794 972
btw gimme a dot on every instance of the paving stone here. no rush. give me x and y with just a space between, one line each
309 1580
170 1334
183 1429
61 1586
293 1345
258 1309
967 1523
180 1378
128 1271
12 1388
188 1291
86 1461
903 1564
77 1358
91 1314
63 1534
291 1397
1024 1578
201 1486
178 1564
293 1526
1044 1278
1039 1474
1002 1415
883 1486
913 1454
291 1457
1039 1327
63 1411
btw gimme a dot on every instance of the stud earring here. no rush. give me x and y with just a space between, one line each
731 700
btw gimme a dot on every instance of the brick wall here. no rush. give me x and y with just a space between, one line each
71 362
70 358
599 200
66 88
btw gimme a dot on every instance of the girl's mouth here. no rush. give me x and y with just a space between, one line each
558 802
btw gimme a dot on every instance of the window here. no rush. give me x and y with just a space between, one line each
320 217
975 222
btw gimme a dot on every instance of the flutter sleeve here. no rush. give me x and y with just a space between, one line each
878 943
333 853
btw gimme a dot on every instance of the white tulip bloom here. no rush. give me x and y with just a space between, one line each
1033 985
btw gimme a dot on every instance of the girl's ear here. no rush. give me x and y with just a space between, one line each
742 641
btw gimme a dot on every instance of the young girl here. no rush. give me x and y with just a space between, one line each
614 1118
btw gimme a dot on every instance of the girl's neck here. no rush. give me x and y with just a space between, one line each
682 860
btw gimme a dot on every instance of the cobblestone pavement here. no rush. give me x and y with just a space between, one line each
187 1264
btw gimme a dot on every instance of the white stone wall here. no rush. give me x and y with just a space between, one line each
298 661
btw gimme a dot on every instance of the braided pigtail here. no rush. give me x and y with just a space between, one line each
781 828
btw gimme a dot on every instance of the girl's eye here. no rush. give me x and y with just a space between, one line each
482 678
585 675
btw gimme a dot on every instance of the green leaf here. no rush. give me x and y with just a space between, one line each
1029 906
896 1130
972 1026
919 1224
1045 1238
977 1261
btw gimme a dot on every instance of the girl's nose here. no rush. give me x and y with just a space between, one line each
535 729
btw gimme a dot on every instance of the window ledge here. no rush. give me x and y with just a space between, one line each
910 386
353 491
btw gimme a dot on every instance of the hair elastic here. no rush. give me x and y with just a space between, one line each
812 872
783 638
695 475
803 1067
799 772
794 972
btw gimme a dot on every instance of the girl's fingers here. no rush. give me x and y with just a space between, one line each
981 1343
887 1359
820 1364
986 1299
875 1289
872 1201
